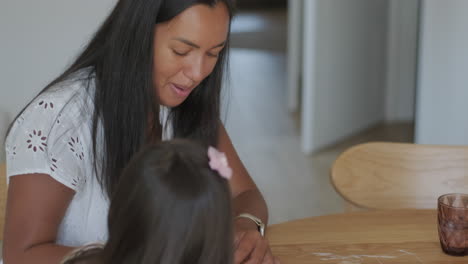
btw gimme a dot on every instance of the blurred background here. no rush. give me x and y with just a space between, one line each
308 79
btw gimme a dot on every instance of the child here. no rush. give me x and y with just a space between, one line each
171 206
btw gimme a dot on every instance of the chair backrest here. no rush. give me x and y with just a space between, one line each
384 175
3 196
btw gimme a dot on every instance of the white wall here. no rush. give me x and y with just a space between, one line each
442 105
38 39
344 86
401 60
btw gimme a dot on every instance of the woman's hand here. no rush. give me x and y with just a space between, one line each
250 247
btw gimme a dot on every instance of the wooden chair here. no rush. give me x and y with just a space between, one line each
384 175
3 195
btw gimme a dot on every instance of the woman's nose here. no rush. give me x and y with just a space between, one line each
196 70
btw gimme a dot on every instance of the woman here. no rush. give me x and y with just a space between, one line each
153 71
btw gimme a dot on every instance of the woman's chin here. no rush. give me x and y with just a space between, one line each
172 102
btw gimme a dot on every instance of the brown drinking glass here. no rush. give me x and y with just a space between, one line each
452 214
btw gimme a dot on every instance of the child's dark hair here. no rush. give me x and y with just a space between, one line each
169 207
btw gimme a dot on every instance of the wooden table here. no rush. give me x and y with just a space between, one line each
374 237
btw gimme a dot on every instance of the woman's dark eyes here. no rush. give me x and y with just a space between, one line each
180 53
213 55
185 53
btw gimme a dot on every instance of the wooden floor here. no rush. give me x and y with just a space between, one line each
267 136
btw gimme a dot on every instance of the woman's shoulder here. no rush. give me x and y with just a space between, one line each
75 90
66 105
52 134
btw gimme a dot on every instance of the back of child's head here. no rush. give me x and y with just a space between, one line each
170 207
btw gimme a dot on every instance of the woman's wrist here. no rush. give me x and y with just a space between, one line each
258 223
245 224
251 202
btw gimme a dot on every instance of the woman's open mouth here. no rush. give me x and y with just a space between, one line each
180 91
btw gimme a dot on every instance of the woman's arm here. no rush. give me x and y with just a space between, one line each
246 196
250 245
36 204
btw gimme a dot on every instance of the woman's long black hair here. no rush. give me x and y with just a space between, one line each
121 55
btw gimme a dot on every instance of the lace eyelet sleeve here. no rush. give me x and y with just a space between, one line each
49 139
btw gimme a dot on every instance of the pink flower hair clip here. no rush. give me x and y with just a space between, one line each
219 163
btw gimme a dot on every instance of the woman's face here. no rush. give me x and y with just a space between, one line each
186 50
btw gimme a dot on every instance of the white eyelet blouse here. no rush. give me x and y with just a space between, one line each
53 136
